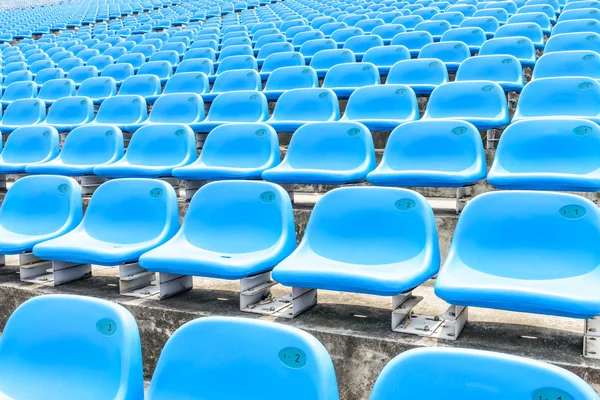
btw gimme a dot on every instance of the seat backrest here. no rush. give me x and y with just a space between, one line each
57 88
495 68
592 13
239 79
31 144
436 28
142 85
187 82
311 47
386 56
85 55
421 71
100 62
122 110
471 36
412 40
577 25
313 104
568 63
393 102
351 75
513 376
146 49
388 31
203 65
519 46
17 76
162 144
237 62
162 69
239 106
499 13
15 66
115 52
273 48
181 108
488 24
279 60
236 50
475 99
100 87
132 210
71 110
448 52
96 343
20 90
539 18
454 17
79 74
286 78
92 145
200 53
40 65
24 112
119 71
588 41
341 35
48 74
559 96
325 59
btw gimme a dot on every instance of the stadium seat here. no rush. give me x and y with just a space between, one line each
232 80
481 103
239 50
466 9
432 153
385 57
55 89
581 13
408 21
286 78
324 60
539 18
68 64
515 377
22 112
100 62
332 153
84 148
92 337
235 107
311 47
67 113
40 65
98 89
135 59
85 55
153 152
587 41
471 36
373 240
115 52
297 107
177 108
577 26
450 53
548 154
504 70
426 12
203 65
28 145
435 28
341 35
520 47
499 14
80 74
236 62
19 90
240 344
422 75
146 49
119 72
124 219
13 67
279 60
273 48
568 63
148 86
360 44
162 69
501 254
46 75
187 82
382 107
122 111
523 29
387 32
413 41
16 76
570 97
344 79
454 18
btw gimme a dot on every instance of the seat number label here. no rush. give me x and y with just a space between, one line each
292 357
551 394
106 326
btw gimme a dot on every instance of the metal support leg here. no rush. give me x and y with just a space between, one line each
35 270
463 195
2 183
448 326
136 281
255 297
171 181
191 187
89 184
200 139
289 188
2 260
492 138
19 176
591 338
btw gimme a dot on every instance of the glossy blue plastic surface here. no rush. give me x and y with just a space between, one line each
382 107
177 108
36 209
520 47
473 375
479 102
435 28
535 253
17 76
299 106
84 148
527 29
187 82
231 231
119 72
373 240
68 113
548 154
385 57
413 41
73 360
161 69
568 63
55 89
153 152
325 59
360 44
203 65
326 153
22 112
125 219
344 79
79 74
571 97
588 41
450 53
432 153
471 36
539 18
234 80
286 78
101 62
234 152
422 75
146 85
505 70
98 89
235 107
577 26
122 111
18 90
237 62
193 368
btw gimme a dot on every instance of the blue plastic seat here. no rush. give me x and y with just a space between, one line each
452 54
237 50
568 97
471 36
504 70
84 148
453 17
119 72
326 153
539 18
17 76
341 35
581 13
422 75
68 64
358 241
432 154
435 28
61 55
79 74
100 62
235 209
177 108
311 47
147 86
135 59
85 55
536 256
498 13
18 90
98 89
520 47
46 75
28 145
22 112
286 78
409 21
344 79
146 49
514 377
297 107
273 48
55 89
235 107
325 59
161 69
237 62
28 350
481 103
187 82
577 26
240 344
530 30
385 57
548 154
587 41
67 113
13 67
382 107
203 65
123 111
234 80
244 40
279 60
568 63
40 65
125 219
115 52
153 152
360 44
413 41
426 12
388 31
